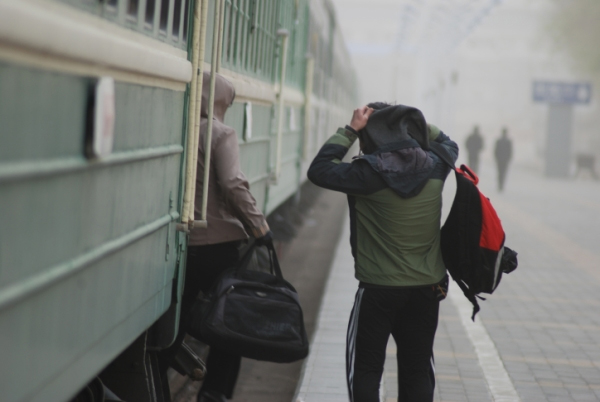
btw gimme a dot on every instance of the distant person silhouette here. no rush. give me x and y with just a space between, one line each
474 147
503 154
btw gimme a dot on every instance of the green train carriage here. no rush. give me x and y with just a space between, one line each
92 237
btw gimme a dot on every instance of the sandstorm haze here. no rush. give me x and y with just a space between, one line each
474 62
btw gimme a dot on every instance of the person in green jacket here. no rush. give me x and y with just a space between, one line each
394 191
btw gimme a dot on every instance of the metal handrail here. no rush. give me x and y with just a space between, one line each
199 96
198 50
310 73
284 34
216 54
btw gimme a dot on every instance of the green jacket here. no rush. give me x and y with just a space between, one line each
395 199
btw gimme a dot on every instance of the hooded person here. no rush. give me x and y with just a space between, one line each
394 192
395 143
231 209
232 216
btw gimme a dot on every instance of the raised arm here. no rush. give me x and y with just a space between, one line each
327 169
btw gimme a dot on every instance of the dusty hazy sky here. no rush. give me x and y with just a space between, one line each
464 63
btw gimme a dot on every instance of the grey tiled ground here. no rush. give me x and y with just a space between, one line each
458 375
544 319
324 376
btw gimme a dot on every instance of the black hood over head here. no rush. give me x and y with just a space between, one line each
395 144
393 123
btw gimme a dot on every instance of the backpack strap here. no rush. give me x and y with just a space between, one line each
445 156
442 153
472 297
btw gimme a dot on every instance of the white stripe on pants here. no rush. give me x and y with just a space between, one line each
351 341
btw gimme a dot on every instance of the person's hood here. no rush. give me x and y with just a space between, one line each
395 141
404 167
224 96
393 123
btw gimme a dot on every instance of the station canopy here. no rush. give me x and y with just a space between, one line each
410 26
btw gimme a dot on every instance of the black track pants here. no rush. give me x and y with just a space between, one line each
411 317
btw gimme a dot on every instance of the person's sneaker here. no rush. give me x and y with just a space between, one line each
211 396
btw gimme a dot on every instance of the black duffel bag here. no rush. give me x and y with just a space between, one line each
253 314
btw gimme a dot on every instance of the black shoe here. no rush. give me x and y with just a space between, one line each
211 396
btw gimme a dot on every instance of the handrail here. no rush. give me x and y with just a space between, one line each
187 212
217 63
310 73
217 41
36 169
197 118
284 33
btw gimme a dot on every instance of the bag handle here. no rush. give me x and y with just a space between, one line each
273 260
245 260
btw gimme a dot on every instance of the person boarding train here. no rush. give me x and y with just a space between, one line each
232 215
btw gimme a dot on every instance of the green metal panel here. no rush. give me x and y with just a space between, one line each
253 161
148 117
234 118
254 151
289 179
54 354
30 116
68 214
288 184
88 249
262 121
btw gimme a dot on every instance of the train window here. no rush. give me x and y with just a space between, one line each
111 3
186 17
231 15
176 18
132 9
150 4
249 39
164 16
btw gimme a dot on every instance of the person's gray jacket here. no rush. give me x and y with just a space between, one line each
231 208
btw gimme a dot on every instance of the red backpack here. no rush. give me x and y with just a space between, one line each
472 238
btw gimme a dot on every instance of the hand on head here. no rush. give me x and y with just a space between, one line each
360 117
